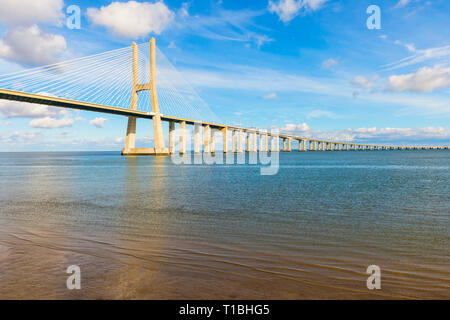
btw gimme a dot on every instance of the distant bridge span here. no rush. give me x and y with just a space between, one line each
305 144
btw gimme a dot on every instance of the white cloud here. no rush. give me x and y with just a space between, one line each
98 122
321 114
31 47
420 55
184 10
254 79
410 46
437 135
329 63
402 3
20 137
289 9
424 80
298 128
29 12
15 109
51 123
392 134
270 96
230 25
364 82
45 117
172 45
132 19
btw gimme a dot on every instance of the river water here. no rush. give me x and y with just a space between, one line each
145 228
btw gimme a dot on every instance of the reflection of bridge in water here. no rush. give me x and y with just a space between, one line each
100 83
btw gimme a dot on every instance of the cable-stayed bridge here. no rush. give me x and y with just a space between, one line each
140 82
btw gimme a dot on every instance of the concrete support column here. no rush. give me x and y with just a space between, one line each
267 143
248 141
284 145
225 139
272 144
261 147
183 137
197 138
240 150
206 137
171 137
289 145
255 142
277 145
130 140
233 141
213 140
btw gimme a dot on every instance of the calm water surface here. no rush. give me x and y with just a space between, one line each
146 228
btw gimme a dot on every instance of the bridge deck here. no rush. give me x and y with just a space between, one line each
87 106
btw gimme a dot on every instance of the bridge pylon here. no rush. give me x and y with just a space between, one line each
130 140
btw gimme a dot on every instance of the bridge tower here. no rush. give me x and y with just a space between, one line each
130 140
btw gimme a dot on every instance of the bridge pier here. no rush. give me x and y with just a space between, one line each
233 141
240 150
182 137
171 137
266 149
261 148
213 141
130 140
225 139
196 138
206 137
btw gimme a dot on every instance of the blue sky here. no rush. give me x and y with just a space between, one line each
309 67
